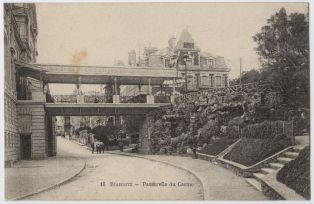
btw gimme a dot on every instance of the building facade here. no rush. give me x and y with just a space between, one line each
197 69
20 39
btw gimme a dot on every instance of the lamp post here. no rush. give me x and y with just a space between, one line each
193 121
185 57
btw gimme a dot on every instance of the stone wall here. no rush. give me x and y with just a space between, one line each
15 49
213 110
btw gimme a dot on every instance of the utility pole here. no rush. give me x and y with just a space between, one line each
240 69
139 55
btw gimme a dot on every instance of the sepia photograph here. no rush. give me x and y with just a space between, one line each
156 101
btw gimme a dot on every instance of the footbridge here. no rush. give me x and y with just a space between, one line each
37 108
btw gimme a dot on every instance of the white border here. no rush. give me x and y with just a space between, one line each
311 8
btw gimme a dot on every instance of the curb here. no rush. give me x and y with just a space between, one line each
50 187
167 163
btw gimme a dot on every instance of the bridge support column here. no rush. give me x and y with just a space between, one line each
51 136
150 98
116 98
80 98
39 132
144 133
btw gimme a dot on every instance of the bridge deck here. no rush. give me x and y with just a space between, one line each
67 74
101 109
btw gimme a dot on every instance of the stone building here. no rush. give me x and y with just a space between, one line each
201 70
20 38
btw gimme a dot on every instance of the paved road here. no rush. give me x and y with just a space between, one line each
116 177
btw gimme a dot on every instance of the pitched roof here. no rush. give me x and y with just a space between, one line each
207 54
220 63
185 37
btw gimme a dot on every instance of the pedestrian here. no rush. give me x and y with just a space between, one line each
120 141
92 141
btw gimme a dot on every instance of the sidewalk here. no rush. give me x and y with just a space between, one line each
32 176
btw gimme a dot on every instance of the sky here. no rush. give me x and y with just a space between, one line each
100 33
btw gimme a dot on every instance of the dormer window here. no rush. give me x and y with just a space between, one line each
211 62
188 45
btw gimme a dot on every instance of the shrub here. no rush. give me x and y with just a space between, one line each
263 130
251 151
217 146
296 174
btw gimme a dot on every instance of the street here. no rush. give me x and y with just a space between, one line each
116 177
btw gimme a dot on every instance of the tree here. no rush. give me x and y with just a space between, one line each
251 76
283 46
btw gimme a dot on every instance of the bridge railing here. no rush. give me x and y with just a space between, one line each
133 99
64 98
97 99
142 98
162 99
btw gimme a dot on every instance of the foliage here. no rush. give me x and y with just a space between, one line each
283 46
251 76
209 130
263 130
296 174
217 146
251 151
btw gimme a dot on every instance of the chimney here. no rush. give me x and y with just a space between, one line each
132 58
172 42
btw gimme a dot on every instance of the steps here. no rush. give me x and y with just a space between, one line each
255 183
292 155
298 148
267 170
273 167
284 160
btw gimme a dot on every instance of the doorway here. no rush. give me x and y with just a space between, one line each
26 146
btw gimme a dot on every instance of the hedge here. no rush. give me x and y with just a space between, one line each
217 147
263 130
251 151
296 174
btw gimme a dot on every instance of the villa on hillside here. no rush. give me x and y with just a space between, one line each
204 70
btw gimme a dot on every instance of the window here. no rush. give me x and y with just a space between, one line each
167 62
23 31
189 62
188 45
205 81
218 81
226 80
211 80
211 62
